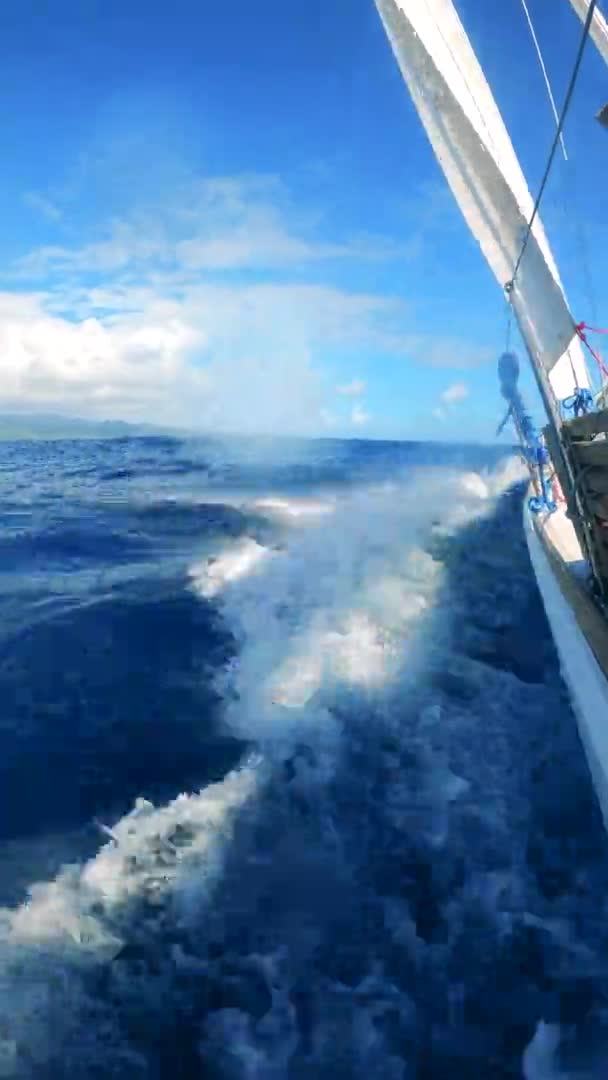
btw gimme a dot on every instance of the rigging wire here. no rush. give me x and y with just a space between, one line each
562 119
545 74
570 191
570 185
570 194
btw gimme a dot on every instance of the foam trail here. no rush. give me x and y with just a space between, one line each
293 508
81 920
230 565
335 606
539 1062
326 894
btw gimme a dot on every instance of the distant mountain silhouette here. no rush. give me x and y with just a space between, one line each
51 426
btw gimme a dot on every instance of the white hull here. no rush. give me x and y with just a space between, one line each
583 675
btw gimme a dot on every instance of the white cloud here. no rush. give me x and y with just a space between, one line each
158 316
359 417
439 351
133 370
454 393
42 205
354 388
155 317
454 352
449 397
328 418
124 244
231 358
213 225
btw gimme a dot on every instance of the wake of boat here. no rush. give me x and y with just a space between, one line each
299 904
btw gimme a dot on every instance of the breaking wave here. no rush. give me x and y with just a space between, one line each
395 868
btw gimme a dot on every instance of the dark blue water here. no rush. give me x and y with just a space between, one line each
289 784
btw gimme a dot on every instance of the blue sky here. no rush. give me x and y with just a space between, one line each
228 215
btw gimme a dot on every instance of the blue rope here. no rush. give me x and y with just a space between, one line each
534 452
537 505
580 403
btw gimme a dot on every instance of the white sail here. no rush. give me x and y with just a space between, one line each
599 27
475 152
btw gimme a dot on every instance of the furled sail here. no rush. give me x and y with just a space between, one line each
598 31
473 147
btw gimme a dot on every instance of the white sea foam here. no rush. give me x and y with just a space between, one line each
168 855
331 631
236 561
293 508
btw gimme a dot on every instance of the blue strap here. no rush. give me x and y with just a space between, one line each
537 504
534 452
580 403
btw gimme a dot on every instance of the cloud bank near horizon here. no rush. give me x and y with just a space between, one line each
212 309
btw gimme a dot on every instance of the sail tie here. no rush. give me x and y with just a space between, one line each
580 330
593 329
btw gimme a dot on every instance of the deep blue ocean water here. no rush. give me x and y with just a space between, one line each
290 786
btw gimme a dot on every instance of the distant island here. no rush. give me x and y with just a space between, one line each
16 426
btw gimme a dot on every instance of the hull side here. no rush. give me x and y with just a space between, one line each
585 679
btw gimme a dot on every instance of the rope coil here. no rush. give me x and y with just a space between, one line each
579 403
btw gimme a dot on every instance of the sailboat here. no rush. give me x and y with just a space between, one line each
566 511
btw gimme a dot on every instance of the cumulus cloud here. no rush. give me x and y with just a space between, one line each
207 309
232 358
354 388
456 392
161 315
359 417
135 369
449 397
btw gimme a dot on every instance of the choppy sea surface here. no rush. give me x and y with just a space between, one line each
290 786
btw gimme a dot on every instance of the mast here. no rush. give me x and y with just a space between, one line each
598 31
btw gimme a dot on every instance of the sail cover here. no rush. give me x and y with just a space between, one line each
599 27
473 147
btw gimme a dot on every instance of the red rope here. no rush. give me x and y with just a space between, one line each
557 488
594 329
580 329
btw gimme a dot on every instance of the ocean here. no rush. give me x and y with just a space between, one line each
290 786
